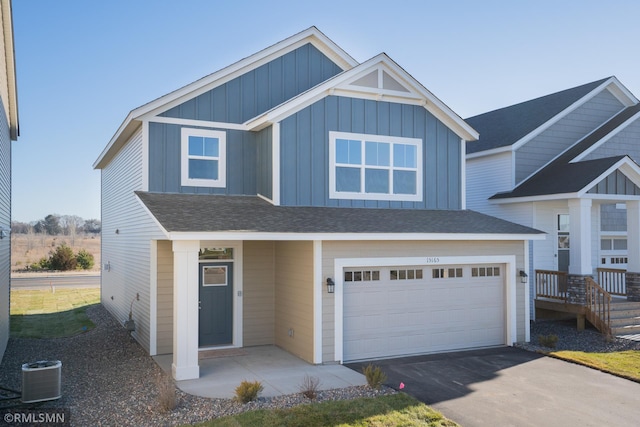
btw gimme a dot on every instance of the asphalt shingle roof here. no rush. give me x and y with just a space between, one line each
561 178
506 126
219 213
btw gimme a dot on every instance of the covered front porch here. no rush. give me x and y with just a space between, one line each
229 295
280 372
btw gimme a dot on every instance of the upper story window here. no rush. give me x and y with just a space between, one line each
203 157
375 167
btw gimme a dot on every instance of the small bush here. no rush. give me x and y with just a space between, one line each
85 260
548 341
309 387
43 264
248 391
166 394
62 258
374 375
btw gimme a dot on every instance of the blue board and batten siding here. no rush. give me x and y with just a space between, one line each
304 148
264 167
164 162
261 89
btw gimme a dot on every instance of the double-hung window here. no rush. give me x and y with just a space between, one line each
375 167
203 155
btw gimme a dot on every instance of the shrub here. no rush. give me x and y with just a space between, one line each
166 394
374 375
248 391
62 258
309 387
43 264
548 341
85 259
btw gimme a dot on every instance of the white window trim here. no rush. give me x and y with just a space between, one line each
221 182
333 194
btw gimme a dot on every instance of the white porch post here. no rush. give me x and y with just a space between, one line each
633 236
185 310
580 237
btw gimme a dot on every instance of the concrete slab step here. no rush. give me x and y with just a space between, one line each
624 321
626 330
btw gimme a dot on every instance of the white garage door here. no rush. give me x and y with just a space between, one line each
394 311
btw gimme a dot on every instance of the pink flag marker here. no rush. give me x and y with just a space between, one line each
401 386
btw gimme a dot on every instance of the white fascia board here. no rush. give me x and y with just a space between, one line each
248 235
160 227
332 86
147 111
626 166
10 62
499 150
198 123
541 198
562 114
121 137
623 94
606 138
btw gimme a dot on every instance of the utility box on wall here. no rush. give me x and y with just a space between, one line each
41 381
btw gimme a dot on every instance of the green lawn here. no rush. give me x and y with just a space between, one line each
48 314
385 411
623 363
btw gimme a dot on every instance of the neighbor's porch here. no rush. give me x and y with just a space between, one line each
610 301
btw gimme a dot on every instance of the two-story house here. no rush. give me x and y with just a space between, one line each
9 131
567 164
301 199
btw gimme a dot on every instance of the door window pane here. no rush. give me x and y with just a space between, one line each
214 275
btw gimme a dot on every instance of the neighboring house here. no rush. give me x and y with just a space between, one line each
300 199
567 164
8 132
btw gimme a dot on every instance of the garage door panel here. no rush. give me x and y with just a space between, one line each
396 317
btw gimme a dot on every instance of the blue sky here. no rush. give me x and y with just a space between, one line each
83 65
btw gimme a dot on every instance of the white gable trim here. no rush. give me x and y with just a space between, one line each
627 166
311 35
606 138
612 84
340 84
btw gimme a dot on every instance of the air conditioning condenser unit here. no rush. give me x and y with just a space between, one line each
41 381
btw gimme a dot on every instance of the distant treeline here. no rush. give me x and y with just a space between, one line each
54 225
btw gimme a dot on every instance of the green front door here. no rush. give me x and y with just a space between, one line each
216 304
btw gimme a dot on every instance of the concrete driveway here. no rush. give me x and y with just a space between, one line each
512 387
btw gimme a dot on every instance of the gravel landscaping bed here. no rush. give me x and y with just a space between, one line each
569 338
109 380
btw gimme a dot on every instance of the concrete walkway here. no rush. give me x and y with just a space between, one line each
280 373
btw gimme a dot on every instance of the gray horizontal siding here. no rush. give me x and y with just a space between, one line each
624 142
305 151
5 223
260 89
565 133
164 162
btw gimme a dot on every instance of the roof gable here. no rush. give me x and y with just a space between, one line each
132 121
380 79
514 125
561 180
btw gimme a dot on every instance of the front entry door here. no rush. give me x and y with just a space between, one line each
563 242
216 304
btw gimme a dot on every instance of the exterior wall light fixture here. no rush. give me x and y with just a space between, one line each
331 285
523 277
